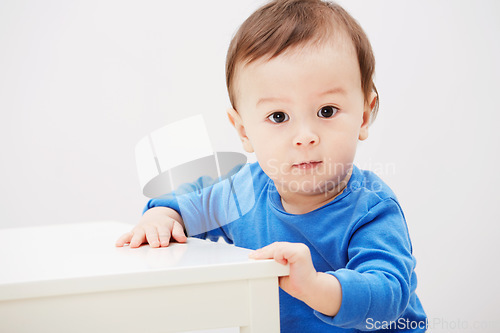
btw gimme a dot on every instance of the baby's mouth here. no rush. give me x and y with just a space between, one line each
306 165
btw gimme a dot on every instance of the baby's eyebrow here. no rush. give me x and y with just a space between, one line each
272 99
334 91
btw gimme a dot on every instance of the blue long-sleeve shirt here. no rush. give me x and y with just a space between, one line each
360 237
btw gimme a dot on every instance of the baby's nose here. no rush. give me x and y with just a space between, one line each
305 137
301 142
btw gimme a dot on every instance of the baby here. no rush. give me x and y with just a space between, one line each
300 80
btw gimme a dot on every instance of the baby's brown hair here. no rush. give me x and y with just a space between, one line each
281 24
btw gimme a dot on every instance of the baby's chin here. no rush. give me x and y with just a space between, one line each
312 186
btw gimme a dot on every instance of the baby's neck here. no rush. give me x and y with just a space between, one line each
296 203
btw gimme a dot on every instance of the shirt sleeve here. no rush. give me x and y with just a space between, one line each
207 207
376 281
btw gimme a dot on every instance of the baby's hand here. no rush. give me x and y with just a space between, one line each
320 291
156 227
302 272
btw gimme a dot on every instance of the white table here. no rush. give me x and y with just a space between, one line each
71 278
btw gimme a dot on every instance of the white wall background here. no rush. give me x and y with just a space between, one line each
82 81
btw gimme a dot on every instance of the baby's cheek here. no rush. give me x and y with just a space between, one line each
345 151
271 166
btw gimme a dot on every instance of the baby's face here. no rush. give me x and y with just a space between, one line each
302 113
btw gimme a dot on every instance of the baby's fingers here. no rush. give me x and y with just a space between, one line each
152 236
283 252
178 233
138 238
164 235
273 251
124 239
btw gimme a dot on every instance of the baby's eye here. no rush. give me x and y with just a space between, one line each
327 111
278 117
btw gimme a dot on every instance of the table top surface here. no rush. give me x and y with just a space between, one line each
82 257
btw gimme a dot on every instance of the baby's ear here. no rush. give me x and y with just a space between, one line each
367 112
237 122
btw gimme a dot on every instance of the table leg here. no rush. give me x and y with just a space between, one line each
264 306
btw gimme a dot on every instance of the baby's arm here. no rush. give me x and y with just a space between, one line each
376 282
156 227
320 291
